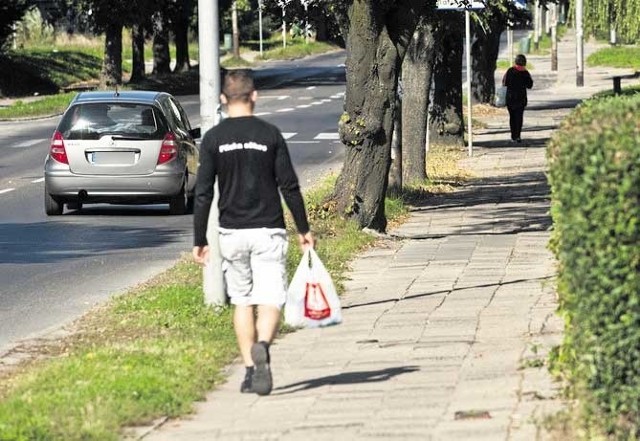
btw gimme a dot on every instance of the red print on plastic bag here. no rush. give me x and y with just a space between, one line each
316 306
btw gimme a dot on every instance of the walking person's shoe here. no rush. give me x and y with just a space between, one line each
262 382
247 384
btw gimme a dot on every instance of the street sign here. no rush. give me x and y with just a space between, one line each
459 5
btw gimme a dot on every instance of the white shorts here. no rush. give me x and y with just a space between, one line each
254 265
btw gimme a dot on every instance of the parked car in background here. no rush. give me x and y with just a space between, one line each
126 147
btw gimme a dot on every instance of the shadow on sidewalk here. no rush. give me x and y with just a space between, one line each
346 378
554 105
445 291
507 204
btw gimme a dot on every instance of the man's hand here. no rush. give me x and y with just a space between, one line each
201 254
306 241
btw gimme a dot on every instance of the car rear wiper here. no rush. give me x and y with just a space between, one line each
127 137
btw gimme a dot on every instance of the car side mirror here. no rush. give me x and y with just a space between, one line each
195 133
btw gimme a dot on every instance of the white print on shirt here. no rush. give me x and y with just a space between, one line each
239 146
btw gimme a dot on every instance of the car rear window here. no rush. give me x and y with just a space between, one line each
94 120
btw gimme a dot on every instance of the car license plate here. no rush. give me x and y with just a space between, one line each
113 158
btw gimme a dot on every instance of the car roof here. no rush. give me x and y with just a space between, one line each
128 96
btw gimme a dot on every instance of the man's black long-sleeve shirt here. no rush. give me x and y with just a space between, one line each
251 160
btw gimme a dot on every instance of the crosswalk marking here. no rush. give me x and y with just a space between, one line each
303 106
329 136
287 135
6 190
35 181
262 113
288 109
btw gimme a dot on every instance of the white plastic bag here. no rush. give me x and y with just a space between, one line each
501 96
312 299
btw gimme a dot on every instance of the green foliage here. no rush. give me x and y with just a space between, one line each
297 48
10 12
620 56
33 29
595 181
600 15
26 72
50 105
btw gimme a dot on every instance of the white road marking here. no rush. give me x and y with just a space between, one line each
311 87
27 143
35 181
303 142
6 190
325 100
305 98
315 103
288 109
276 97
303 106
283 97
336 96
287 135
331 135
262 113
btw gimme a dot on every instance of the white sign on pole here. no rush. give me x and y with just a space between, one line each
459 5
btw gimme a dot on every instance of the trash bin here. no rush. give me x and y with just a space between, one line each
227 41
525 45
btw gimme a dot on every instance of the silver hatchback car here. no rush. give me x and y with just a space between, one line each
127 147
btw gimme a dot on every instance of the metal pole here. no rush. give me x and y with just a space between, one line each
306 23
284 28
209 67
467 20
536 26
260 24
554 38
510 43
579 45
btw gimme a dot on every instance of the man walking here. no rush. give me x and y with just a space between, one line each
251 161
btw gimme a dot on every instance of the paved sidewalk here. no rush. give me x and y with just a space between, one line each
446 325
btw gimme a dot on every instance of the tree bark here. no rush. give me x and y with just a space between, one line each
235 31
484 59
161 54
446 122
112 64
417 69
137 50
378 36
395 173
181 33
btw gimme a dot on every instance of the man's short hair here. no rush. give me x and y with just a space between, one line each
238 85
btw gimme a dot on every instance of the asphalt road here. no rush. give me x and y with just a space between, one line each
54 269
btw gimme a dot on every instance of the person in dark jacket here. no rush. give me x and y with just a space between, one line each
517 80
251 161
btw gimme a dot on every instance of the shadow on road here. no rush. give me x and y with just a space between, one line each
346 378
53 242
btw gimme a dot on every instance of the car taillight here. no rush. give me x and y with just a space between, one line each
57 151
168 149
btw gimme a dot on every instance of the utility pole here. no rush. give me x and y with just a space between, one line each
467 24
234 28
579 44
554 38
536 26
260 24
283 4
209 66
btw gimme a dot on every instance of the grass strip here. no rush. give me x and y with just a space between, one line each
47 105
156 349
297 48
625 57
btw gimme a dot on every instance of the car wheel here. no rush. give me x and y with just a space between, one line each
51 206
178 203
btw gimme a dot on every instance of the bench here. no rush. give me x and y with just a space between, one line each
617 81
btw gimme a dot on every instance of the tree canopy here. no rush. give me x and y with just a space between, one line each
600 15
11 11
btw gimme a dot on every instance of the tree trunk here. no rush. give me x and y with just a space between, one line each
376 44
446 122
484 58
417 69
395 173
112 64
161 55
137 50
181 33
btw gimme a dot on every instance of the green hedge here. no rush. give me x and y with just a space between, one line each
594 173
